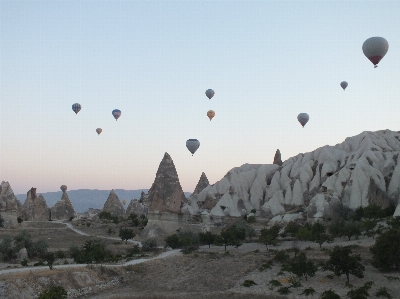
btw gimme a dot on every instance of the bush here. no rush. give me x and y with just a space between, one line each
189 249
248 283
54 293
291 229
20 220
251 219
383 292
60 254
24 263
386 251
1 221
374 211
126 234
149 244
92 251
329 295
133 250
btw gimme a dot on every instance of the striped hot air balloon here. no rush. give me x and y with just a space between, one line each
76 107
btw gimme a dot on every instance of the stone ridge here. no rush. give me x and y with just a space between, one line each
166 194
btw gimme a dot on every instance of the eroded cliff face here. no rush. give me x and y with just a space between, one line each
166 194
364 169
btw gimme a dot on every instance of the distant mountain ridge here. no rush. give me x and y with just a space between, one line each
83 199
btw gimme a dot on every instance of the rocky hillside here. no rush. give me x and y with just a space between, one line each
363 169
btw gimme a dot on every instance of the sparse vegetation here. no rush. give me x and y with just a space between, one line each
248 283
57 292
126 234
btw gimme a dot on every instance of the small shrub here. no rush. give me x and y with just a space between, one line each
133 250
294 282
39 263
274 283
391 278
149 244
248 283
329 295
251 219
54 293
284 291
383 292
24 263
190 248
253 211
66 262
60 254
88 224
20 220
308 292
266 265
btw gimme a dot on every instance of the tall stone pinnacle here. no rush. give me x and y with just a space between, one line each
166 194
203 182
277 158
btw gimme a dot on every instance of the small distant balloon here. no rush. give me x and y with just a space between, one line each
210 93
210 114
124 202
303 118
99 130
375 48
76 107
63 188
344 84
116 113
192 145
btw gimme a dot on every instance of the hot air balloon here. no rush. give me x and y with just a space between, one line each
99 130
116 113
210 93
210 114
344 84
63 188
303 118
124 202
76 107
192 145
375 48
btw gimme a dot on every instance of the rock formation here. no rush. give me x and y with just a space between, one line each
114 205
166 194
166 198
35 207
10 207
63 208
277 158
138 207
364 169
203 183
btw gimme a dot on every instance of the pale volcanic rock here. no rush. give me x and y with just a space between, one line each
114 205
35 207
10 207
63 209
363 169
203 183
166 194
136 207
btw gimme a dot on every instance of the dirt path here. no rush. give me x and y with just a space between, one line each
70 226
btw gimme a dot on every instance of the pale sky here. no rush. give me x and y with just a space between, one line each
267 61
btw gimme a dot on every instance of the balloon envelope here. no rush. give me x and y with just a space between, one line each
192 145
116 113
375 48
210 93
76 107
344 85
210 114
303 118
99 130
124 202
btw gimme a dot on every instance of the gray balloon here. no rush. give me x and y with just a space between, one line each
303 118
192 145
210 93
344 84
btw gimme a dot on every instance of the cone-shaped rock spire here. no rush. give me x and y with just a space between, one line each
166 193
203 182
277 158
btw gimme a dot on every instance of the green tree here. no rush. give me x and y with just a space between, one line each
6 249
49 257
133 217
374 211
92 251
233 236
149 244
341 262
269 235
172 241
126 234
54 293
386 250
37 248
361 292
304 234
352 228
319 235
300 266
110 231
368 226
291 229
207 238
1 221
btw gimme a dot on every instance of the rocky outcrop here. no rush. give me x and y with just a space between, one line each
277 158
10 207
114 205
165 198
364 169
138 207
166 194
63 208
203 183
35 207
